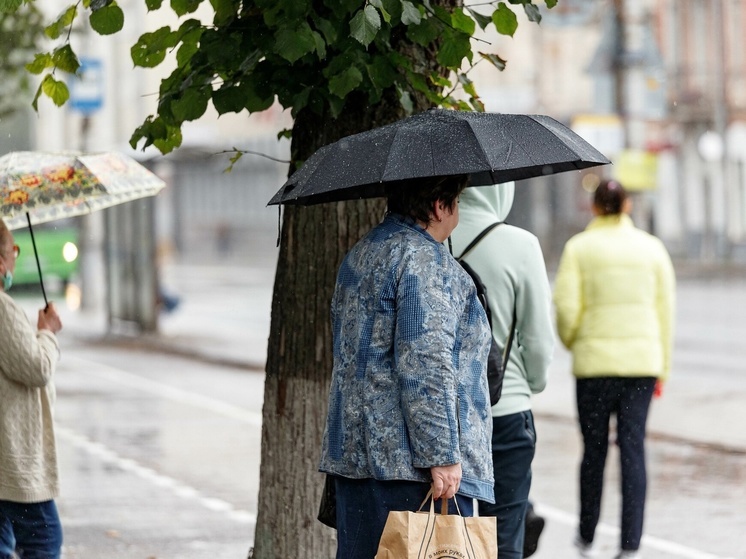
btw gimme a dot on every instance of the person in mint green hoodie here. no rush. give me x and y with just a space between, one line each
510 263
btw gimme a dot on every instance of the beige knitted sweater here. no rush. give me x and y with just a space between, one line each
28 457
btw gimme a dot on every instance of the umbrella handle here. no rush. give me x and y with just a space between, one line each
38 265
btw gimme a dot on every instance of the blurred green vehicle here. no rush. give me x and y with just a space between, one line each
57 246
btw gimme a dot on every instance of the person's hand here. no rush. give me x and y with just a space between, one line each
49 319
658 390
446 481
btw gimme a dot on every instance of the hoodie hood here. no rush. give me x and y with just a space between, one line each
479 207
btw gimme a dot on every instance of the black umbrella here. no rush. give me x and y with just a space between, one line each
490 147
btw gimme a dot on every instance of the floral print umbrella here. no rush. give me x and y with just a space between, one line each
36 187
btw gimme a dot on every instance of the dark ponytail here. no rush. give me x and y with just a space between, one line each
609 197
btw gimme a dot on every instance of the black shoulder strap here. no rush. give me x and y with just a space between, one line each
478 238
510 339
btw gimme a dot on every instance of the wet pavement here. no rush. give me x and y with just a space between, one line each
160 438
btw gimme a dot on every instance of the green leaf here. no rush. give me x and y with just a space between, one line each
35 102
41 62
294 43
394 8
439 80
455 47
381 73
365 25
482 20
228 99
151 48
505 20
344 82
153 5
495 60
183 7
56 90
336 105
171 141
463 22
253 100
107 20
327 29
192 104
186 51
424 33
405 99
468 85
320 44
410 14
65 59
225 11
551 3
286 133
532 11
9 6
378 4
64 20
147 131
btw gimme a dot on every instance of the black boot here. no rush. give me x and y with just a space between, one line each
534 527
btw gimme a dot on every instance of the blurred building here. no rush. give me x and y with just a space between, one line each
659 86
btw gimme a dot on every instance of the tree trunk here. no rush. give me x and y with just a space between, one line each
299 358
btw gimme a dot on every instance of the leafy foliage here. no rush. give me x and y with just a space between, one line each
23 28
308 54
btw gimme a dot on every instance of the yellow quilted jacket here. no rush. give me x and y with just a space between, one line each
615 296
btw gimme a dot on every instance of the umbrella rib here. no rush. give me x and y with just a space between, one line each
481 147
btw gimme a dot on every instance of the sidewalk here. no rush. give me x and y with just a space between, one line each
224 316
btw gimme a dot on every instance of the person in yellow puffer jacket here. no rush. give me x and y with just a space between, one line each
614 296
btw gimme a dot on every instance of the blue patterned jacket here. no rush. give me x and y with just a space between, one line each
409 387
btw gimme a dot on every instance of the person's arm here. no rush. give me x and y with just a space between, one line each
424 341
534 318
666 304
568 297
26 357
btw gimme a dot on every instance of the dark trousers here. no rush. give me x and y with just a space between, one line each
33 530
513 448
363 506
629 399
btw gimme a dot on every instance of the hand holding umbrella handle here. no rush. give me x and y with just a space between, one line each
49 319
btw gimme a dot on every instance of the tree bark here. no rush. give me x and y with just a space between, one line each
299 358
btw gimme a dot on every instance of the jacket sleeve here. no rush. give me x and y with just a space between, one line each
568 297
424 340
666 308
534 318
27 357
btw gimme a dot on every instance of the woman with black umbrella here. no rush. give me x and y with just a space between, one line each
409 404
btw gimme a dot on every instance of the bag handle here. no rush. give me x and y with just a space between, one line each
443 504
430 527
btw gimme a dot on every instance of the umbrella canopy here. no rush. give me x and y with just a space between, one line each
489 147
36 187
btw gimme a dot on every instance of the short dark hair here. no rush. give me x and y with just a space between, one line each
609 197
415 197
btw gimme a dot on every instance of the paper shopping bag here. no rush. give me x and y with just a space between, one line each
426 535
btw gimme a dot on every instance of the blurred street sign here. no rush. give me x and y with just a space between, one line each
87 88
605 132
636 169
